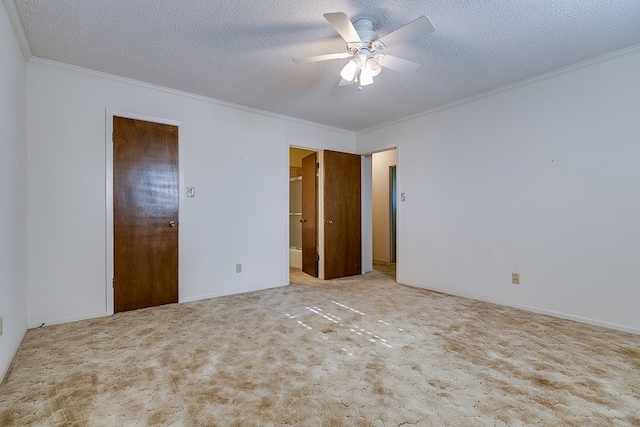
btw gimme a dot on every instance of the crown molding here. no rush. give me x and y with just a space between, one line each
16 22
104 75
541 77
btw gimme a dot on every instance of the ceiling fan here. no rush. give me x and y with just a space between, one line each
364 46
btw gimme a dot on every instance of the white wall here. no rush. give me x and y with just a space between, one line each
381 210
543 179
13 188
237 160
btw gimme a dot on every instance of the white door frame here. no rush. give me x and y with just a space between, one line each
367 207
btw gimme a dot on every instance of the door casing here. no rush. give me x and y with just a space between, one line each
310 214
393 203
367 225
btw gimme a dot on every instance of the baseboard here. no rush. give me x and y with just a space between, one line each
235 292
538 310
60 320
5 370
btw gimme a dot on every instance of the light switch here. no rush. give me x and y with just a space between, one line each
191 192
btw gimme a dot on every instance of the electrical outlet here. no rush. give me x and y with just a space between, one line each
238 268
515 278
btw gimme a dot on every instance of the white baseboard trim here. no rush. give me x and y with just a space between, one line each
59 320
235 292
5 369
538 310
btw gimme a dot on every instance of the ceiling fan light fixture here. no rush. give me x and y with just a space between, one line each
349 71
373 66
366 78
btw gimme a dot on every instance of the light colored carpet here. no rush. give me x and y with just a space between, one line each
355 351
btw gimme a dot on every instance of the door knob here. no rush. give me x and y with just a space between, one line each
172 223
329 221
303 220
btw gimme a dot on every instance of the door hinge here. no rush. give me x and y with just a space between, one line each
113 282
317 257
317 165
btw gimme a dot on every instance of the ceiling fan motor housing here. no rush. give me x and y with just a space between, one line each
369 38
364 28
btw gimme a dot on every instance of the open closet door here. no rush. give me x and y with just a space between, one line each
342 215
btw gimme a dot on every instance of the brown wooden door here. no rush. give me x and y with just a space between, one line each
145 202
309 215
342 210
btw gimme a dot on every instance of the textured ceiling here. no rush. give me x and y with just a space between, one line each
241 51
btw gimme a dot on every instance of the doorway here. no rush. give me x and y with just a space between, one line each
384 210
328 227
296 221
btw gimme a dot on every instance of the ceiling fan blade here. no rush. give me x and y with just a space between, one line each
343 26
317 58
413 29
344 82
398 64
